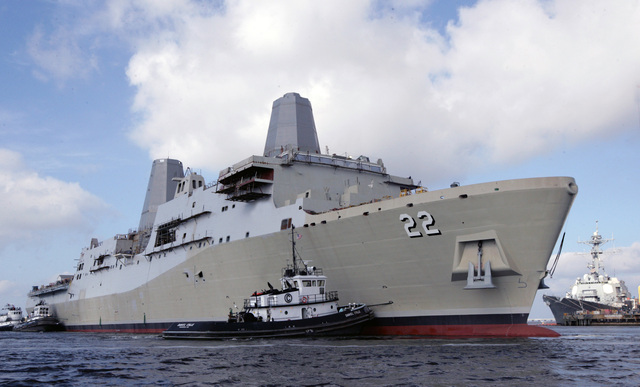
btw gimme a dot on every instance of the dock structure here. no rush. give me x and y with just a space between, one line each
591 318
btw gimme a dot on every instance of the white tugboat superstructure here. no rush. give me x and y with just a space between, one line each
10 316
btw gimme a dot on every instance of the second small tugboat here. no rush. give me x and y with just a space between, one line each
40 321
9 317
302 308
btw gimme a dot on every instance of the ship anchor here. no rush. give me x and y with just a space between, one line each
480 280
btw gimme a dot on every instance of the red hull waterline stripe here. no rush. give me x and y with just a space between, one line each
481 330
468 330
116 330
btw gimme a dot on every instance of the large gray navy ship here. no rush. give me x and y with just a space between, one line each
595 291
461 261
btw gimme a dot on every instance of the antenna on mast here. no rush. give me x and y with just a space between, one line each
293 249
295 236
595 242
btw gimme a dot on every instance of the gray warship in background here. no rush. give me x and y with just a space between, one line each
595 291
460 261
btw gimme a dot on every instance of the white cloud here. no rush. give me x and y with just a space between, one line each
58 56
11 292
6 286
510 80
32 203
529 75
205 92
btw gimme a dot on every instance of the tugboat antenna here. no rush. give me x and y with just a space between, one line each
293 250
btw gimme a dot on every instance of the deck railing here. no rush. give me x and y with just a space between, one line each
272 300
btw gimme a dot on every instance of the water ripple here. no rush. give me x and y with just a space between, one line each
582 356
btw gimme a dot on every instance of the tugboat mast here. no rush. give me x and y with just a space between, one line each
293 250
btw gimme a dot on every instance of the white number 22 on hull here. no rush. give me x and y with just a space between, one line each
410 224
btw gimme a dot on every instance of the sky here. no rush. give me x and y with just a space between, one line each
443 91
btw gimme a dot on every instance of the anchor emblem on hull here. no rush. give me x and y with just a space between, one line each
479 280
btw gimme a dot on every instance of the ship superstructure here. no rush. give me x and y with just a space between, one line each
465 260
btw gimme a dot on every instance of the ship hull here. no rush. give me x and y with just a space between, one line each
489 325
40 324
561 307
372 254
6 327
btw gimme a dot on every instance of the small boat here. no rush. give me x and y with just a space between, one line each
303 307
40 321
9 317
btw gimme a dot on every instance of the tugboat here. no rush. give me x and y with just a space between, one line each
594 292
302 307
9 317
40 321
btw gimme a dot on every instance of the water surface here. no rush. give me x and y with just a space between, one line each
589 356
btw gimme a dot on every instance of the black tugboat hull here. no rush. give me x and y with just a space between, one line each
339 324
44 324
